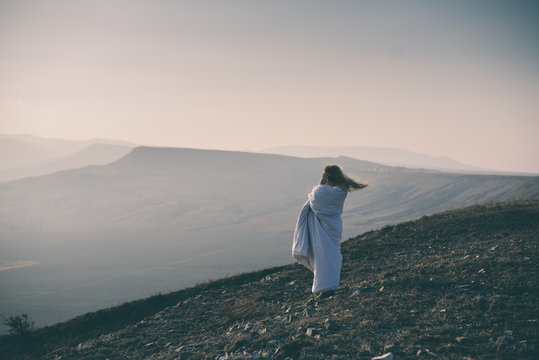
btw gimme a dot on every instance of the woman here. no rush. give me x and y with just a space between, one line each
317 237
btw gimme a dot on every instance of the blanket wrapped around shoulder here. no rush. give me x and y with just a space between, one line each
317 237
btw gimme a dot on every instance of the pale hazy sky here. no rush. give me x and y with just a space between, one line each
455 78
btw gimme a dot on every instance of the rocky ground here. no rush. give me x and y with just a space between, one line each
457 285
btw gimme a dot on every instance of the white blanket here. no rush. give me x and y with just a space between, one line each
317 237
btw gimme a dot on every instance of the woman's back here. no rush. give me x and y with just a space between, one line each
327 200
318 230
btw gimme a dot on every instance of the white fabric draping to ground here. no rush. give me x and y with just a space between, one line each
317 237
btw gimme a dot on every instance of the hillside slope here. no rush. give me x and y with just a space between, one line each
460 284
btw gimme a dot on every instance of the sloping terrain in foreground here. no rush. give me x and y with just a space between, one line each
460 284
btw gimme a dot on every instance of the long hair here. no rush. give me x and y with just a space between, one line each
334 175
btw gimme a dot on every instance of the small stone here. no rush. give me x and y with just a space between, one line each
184 355
501 340
330 324
311 332
307 312
388 356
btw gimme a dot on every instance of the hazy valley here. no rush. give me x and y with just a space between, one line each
160 219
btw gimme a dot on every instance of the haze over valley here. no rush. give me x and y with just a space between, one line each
28 155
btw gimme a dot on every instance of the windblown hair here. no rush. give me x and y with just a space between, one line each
334 175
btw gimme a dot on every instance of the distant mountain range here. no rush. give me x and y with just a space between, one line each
190 189
381 155
28 155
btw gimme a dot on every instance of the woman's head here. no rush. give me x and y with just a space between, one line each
334 176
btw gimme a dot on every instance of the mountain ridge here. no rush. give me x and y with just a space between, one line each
387 156
92 154
184 176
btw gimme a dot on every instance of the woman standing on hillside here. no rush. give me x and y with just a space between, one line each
317 237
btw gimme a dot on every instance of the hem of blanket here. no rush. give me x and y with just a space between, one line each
303 260
319 291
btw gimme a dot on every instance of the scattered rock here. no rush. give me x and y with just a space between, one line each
388 356
330 325
308 312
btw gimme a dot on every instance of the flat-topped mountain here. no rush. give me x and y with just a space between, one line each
183 189
459 284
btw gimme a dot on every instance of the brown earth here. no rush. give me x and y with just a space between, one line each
456 285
